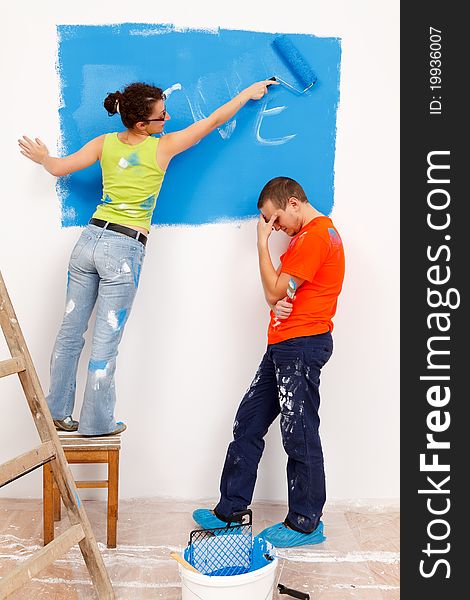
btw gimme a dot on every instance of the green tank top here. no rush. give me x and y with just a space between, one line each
131 181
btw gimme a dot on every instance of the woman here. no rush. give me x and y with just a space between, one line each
105 264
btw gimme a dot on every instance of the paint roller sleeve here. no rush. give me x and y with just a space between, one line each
294 60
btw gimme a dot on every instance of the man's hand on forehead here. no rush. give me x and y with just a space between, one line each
266 220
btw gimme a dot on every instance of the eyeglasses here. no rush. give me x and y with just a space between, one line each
162 118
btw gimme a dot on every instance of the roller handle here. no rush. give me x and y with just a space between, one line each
294 593
183 562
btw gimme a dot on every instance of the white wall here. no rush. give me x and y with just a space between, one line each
198 328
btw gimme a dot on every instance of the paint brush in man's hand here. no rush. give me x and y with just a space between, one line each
291 289
290 292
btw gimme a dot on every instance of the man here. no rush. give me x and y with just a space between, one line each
287 381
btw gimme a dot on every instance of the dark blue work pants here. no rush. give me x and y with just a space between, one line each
286 383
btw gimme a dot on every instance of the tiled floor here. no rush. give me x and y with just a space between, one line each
359 559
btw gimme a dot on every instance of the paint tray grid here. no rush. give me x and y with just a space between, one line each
224 551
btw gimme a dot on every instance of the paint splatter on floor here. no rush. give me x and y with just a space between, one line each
359 560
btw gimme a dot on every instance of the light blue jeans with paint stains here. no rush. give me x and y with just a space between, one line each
104 269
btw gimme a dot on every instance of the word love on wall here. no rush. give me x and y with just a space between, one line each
219 179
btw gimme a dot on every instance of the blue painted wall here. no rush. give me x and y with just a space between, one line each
220 178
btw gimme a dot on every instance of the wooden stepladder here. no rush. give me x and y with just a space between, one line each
50 451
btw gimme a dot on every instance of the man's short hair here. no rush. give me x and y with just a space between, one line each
279 190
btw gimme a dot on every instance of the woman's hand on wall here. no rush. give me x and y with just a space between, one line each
35 150
38 152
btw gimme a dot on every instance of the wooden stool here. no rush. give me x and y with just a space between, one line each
82 450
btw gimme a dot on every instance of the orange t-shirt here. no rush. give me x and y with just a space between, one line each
316 255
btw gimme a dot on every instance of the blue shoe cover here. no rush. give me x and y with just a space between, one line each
282 537
207 520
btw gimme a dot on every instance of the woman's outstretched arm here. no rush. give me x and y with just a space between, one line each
178 141
37 151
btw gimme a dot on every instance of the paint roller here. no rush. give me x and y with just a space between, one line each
296 63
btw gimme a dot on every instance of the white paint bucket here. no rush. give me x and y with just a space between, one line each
254 585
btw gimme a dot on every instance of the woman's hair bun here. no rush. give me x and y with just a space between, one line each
134 104
111 103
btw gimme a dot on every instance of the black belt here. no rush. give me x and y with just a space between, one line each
137 235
